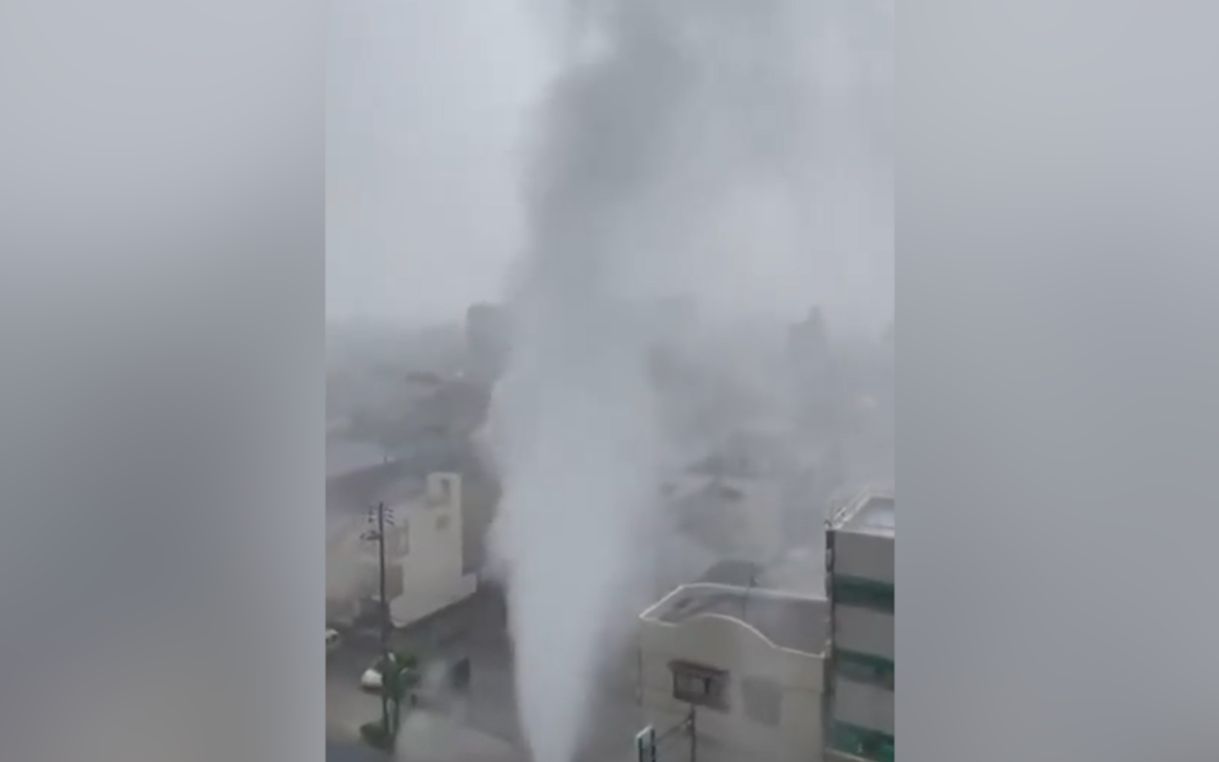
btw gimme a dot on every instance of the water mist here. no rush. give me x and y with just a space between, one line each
674 158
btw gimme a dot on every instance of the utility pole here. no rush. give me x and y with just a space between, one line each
383 607
693 737
648 741
381 578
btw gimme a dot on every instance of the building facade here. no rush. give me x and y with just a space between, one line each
860 585
432 567
737 668
424 553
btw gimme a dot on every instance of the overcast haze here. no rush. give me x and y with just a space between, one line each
433 119
427 104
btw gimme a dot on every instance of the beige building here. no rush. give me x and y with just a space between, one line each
423 553
744 662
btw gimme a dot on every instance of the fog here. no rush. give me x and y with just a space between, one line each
426 108
432 119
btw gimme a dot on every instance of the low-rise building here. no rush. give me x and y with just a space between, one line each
860 584
425 570
433 573
743 665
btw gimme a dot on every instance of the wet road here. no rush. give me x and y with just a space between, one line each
484 725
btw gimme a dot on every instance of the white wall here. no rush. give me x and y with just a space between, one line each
432 576
729 644
867 706
864 631
864 555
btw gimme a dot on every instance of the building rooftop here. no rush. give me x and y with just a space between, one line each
735 573
871 512
797 622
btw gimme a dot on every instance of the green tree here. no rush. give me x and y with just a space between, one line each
399 676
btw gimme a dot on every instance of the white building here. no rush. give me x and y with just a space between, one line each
423 553
746 661
433 577
860 575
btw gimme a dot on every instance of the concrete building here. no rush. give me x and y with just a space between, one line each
433 574
745 663
860 583
425 569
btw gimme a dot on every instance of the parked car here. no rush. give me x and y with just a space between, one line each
371 679
332 639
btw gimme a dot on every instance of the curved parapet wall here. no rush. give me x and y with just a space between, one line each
770 707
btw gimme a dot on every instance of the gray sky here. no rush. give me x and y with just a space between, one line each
434 108
426 107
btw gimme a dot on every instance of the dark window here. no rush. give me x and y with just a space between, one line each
865 593
763 700
864 668
699 685
861 742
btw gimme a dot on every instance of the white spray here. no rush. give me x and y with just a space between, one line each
674 159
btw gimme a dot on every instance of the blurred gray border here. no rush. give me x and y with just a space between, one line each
162 221
161 409
1057 300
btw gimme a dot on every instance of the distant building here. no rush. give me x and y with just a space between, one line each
743 661
808 345
860 580
731 516
487 340
425 564
746 500
813 372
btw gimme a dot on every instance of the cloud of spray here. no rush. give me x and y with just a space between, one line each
688 149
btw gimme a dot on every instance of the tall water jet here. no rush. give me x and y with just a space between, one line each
675 141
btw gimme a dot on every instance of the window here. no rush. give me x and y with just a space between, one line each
861 742
699 685
864 668
866 593
401 538
763 700
445 490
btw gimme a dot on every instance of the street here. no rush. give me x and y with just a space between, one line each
481 725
